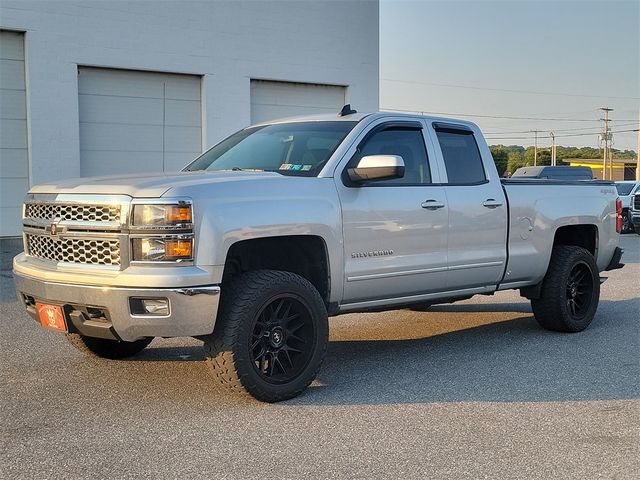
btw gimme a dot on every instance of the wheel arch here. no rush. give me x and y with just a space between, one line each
582 235
579 235
305 255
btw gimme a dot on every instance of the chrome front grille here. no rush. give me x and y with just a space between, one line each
74 250
636 202
77 229
79 213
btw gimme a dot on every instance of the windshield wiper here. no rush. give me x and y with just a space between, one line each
238 169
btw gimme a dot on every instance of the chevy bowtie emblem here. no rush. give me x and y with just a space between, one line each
54 229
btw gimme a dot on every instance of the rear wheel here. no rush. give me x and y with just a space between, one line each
270 337
570 291
104 348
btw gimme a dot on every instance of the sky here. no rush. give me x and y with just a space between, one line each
546 60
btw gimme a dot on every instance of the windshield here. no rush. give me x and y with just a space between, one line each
287 148
625 188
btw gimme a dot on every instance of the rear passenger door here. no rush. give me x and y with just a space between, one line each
477 249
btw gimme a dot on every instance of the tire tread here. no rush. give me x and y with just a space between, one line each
235 304
548 309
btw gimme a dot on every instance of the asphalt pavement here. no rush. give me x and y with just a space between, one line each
470 390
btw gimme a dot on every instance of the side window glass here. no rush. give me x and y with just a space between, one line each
407 143
461 157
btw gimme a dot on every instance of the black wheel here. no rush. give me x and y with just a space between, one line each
626 222
104 348
270 336
570 291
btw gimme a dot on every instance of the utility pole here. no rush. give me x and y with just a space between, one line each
611 164
535 149
638 152
553 148
606 137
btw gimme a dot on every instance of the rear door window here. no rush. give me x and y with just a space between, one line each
461 156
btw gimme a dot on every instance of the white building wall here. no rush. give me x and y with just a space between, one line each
227 42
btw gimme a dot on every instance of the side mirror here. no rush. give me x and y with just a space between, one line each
377 167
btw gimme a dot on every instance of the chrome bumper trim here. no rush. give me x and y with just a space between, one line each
193 310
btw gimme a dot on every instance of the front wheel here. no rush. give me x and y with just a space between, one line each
104 348
270 337
570 291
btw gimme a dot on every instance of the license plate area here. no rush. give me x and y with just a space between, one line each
51 317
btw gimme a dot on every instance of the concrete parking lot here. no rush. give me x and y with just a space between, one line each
470 390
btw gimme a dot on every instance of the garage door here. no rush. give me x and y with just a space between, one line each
14 164
134 121
271 100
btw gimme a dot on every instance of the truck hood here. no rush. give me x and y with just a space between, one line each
141 185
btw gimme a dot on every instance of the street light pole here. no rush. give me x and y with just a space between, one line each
553 148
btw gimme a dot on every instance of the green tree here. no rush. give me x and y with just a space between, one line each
529 156
500 157
515 160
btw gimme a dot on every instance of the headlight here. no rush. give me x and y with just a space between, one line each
152 215
159 249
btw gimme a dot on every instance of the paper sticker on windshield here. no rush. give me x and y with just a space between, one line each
306 168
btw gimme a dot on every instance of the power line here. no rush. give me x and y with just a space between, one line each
507 90
558 129
559 136
506 117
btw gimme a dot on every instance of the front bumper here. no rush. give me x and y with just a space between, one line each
105 312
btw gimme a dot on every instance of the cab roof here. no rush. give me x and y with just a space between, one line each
357 117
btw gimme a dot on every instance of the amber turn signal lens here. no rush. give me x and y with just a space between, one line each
178 214
176 249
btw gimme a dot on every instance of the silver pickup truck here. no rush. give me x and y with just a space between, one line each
253 245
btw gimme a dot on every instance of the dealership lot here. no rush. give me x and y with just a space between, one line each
467 390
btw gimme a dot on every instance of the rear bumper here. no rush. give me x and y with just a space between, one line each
105 312
614 264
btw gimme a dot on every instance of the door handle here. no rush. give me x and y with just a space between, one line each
432 204
491 203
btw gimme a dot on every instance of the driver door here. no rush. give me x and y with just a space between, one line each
395 231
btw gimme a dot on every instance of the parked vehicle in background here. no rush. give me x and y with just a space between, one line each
561 172
626 190
634 212
253 245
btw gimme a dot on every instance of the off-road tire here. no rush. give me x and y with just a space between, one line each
552 309
105 348
228 348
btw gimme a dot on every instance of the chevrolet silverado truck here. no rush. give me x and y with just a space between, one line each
252 246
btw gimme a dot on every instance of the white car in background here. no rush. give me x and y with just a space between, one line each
626 190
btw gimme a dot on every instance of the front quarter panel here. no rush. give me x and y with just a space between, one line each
229 212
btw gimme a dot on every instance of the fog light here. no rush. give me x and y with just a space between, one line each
149 306
156 306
